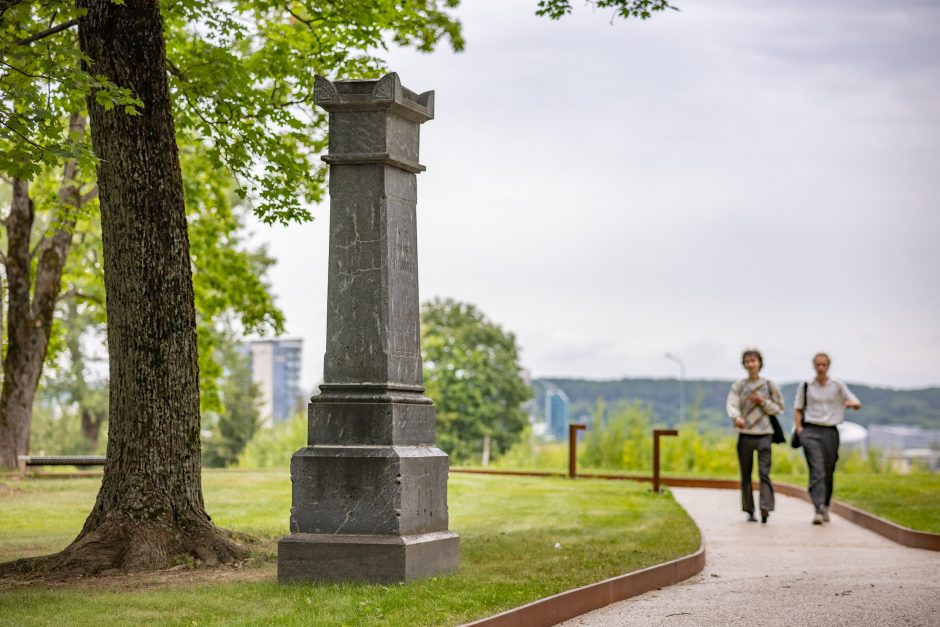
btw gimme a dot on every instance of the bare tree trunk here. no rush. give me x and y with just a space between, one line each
32 303
91 427
150 506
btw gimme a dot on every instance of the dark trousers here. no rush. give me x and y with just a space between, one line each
747 444
821 448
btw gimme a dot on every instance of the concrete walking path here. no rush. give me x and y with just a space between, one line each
787 572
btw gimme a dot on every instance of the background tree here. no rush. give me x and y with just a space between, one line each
88 398
238 418
33 264
229 281
472 372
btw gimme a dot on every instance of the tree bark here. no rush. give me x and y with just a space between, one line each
149 509
31 302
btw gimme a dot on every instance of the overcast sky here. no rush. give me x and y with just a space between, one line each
740 173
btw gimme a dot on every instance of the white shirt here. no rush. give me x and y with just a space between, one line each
825 405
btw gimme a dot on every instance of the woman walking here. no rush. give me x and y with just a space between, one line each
751 403
820 409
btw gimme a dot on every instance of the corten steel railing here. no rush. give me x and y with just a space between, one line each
656 435
573 429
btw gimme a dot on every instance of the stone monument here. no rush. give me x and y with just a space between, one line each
370 489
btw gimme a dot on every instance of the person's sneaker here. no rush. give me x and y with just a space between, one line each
763 516
750 517
825 514
818 517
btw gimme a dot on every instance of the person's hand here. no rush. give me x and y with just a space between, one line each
851 405
739 422
799 429
756 398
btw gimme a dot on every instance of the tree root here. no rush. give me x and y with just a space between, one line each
113 547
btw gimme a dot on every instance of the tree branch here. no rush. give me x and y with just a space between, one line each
21 136
24 72
41 244
89 195
48 32
79 295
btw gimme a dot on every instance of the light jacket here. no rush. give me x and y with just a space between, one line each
756 417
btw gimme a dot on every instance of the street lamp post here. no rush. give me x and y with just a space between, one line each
672 357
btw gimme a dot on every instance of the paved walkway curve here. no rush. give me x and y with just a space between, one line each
787 572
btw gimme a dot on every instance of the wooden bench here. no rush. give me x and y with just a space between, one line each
59 460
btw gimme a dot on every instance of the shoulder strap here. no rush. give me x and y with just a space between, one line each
805 395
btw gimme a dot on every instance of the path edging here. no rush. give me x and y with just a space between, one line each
571 603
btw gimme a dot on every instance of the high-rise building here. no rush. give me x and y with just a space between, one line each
556 413
275 368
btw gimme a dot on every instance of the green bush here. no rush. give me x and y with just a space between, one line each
272 448
530 454
619 442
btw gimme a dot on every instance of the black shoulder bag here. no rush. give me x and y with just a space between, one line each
778 437
795 437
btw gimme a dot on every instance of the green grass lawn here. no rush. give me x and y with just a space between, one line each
509 527
910 500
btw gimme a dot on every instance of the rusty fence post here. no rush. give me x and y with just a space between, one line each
573 429
656 434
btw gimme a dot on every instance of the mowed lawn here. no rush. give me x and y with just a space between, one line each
521 539
909 500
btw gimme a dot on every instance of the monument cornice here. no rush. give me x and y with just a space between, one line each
381 94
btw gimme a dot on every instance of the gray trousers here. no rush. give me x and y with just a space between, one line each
821 448
747 444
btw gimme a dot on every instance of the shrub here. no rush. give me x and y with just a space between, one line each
272 448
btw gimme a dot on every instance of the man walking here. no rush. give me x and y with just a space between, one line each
820 407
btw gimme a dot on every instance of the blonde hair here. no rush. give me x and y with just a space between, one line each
823 355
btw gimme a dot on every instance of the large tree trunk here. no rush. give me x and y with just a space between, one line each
32 305
150 506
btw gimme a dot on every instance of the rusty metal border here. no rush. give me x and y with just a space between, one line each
565 605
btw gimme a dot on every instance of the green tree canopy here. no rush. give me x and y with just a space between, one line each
642 9
241 83
472 372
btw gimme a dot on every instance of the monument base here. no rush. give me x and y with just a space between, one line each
366 558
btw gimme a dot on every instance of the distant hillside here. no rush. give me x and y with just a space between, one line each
879 405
